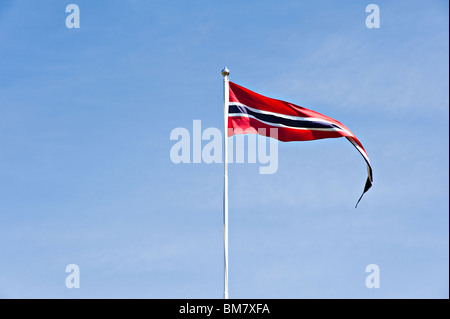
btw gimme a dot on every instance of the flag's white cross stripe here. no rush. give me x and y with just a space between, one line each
289 117
297 118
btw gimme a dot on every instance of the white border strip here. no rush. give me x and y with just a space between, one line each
289 117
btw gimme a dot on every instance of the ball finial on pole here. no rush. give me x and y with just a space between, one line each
225 72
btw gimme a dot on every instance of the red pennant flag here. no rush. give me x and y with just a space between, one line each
250 112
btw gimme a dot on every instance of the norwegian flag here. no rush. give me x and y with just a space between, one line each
250 112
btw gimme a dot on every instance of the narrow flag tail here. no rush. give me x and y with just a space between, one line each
250 112
362 151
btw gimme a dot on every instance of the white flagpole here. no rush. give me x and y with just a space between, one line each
225 73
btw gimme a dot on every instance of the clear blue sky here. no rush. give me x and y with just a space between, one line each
86 177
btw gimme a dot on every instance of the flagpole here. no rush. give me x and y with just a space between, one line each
225 73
